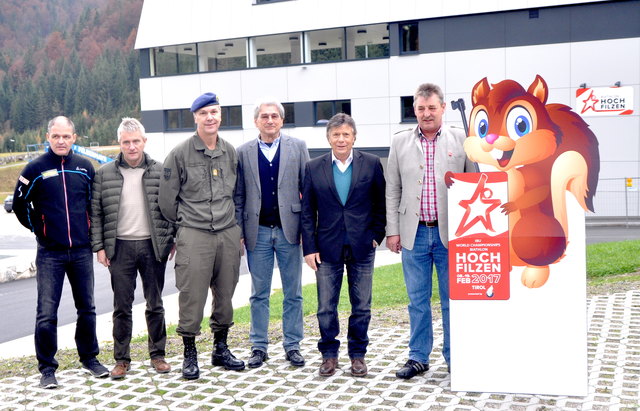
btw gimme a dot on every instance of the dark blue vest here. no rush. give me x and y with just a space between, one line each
269 213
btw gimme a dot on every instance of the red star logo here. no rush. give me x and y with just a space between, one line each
482 203
589 103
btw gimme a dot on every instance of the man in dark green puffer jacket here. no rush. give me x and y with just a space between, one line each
130 235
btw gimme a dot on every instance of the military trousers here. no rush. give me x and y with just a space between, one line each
206 261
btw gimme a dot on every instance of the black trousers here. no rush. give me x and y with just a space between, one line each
130 258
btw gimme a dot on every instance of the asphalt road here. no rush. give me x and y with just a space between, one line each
605 234
18 298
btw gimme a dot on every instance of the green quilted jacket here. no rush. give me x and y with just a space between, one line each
105 204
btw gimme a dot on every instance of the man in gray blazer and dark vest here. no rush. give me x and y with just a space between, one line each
417 216
267 197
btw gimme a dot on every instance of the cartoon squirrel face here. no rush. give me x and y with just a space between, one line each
546 150
509 126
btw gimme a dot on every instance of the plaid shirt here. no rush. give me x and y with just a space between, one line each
428 206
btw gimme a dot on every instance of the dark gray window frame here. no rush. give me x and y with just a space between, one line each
403 117
261 2
225 118
403 51
289 112
323 122
181 127
510 28
190 127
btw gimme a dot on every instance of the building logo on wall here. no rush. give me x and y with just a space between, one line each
604 101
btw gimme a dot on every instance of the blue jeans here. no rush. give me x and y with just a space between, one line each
417 265
272 241
329 282
52 265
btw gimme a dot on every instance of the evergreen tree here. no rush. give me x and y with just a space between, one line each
83 95
69 97
67 58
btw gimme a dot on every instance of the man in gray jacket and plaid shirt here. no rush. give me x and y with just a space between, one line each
130 235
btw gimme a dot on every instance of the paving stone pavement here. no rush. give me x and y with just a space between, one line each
614 379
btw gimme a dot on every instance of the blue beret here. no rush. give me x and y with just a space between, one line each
207 99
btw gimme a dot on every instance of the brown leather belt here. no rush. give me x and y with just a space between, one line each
433 223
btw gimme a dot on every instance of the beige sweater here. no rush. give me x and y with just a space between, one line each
132 217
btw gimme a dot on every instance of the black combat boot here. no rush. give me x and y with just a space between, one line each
221 354
190 370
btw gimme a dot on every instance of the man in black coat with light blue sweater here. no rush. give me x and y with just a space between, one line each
343 221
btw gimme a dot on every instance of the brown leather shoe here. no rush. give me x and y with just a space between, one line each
328 367
160 365
120 370
358 367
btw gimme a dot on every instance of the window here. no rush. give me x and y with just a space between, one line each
181 119
318 46
231 117
278 50
222 55
409 38
325 45
289 114
174 60
324 110
365 42
407 115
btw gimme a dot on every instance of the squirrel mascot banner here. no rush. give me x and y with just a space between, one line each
545 149
539 165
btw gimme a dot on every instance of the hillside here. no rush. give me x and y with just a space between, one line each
67 57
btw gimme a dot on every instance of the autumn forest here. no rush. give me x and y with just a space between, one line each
67 57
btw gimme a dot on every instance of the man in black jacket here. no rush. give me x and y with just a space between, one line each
52 199
343 221
129 235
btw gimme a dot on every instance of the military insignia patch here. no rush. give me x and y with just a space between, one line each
167 173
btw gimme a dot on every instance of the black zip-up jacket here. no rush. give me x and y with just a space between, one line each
53 199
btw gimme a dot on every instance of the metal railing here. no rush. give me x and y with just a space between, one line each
617 199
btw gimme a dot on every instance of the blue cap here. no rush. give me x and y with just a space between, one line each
207 99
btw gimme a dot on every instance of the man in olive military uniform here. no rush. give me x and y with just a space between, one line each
196 192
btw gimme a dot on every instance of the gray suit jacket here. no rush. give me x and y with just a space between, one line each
405 171
293 158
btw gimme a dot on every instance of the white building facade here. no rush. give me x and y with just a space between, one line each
367 57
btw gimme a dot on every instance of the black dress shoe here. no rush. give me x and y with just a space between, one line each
257 358
411 369
295 358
